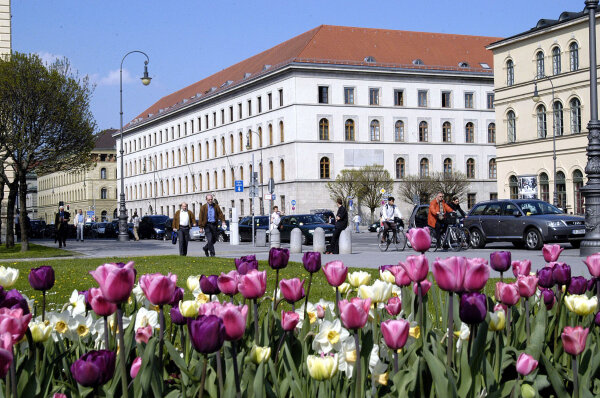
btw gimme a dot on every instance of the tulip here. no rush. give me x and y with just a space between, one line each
208 284
551 252
574 339
322 367
245 264
425 286
40 332
289 320
176 297
278 258
416 267
320 311
597 319
581 304
476 275
100 305
8 276
521 268
207 333
354 313
189 308
578 285
13 300
359 278
193 282
526 364
115 282
253 284
473 308
312 261
14 322
393 306
158 288
210 308
527 391
94 368
143 334
260 354
449 273
135 367
335 273
42 278
545 278
6 354
379 292
497 320
386 275
395 333
176 317
228 283
292 289
507 293
592 262
549 298
420 239
527 285
561 274
234 320
500 261
402 278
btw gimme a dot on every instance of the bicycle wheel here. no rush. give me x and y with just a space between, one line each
383 246
465 240
400 241
453 239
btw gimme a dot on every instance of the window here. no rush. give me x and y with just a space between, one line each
241 141
281 136
575 116
398 97
231 113
373 96
249 107
424 168
574 56
422 97
270 134
214 119
510 73
561 189
280 97
471 200
423 134
348 95
259 100
271 174
223 151
492 174
324 129
239 111
539 62
282 167
260 140
544 187
513 186
222 116
447 132
470 168
374 129
215 148
103 173
558 118
249 140
324 168
349 130
445 99
541 121
578 198
323 95
556 60
447 166
400 168
103 193
231 144
512 127
469 133
492 133
469 100
399 131
270 100
490 100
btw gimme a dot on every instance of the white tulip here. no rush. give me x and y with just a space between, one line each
8 276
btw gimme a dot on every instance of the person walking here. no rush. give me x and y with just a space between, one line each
275 218
136 226
341 222
208 220
79 223
356 221
182 222
435 218
61 222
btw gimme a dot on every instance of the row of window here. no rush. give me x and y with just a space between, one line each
540 69
68 178
72 196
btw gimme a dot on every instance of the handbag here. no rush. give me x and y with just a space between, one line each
174 237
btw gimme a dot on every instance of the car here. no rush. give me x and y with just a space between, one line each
153 227
524 222
245 227
99 229
418 216
374 227
38 228
326 215
307 223
223 234
112 229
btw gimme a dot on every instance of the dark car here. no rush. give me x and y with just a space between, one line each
153 227
524 222
418 217
307 224
245 226
374 227
112 229
38 228
326 215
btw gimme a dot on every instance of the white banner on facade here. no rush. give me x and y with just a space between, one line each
527 186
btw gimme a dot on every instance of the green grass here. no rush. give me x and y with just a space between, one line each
35 251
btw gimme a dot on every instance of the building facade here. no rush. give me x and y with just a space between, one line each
330 99
554 55
93 190
5 28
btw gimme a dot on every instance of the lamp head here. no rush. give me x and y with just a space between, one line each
536 94
146 79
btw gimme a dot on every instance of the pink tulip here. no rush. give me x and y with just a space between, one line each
393 306
135 367
420 239
6 354
521 267
292 289
507 293
253 284
402 278
210 308
527 285
593 264
320 311
228 283
574 339
449 273
500 306
335 273
476 274
395 333
416 267
526 364
158 288
234 319
100 305
116 282
143 334
289 320
13 322
354 313
425 286
551 252
59 395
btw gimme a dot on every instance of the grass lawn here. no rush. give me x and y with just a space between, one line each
35 251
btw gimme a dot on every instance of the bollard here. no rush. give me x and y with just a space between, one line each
261 238
234 232
345 243
275 238
296 241
319 240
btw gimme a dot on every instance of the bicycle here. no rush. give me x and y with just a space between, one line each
396 237
454 237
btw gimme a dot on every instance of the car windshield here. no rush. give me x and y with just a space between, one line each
538 208
158 220
309 219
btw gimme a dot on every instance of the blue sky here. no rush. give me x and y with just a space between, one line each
189 40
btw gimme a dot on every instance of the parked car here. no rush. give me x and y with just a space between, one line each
112 229
100 229
153 227
374 227
38 228
245 226
524 222
307 224
418 217
326 215
223 234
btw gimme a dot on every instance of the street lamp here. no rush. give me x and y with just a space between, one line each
536 98
123 233
591 190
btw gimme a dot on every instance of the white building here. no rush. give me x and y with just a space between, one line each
328 99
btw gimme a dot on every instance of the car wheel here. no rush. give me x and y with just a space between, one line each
533 239
575 244
477 239
220 238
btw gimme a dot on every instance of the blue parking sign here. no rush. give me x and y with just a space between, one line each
239 186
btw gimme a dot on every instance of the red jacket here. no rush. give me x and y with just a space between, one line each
434 208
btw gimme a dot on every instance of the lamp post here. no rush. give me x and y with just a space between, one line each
591 190
536 98
154 187
123 234
248 146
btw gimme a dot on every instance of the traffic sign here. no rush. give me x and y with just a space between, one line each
268 196
350 203
90 213
239 186
271 185
293 203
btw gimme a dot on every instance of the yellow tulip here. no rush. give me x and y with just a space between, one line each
581 304
497 320
260 354
382 379
322 368
40 331
202 298
189 308
359 278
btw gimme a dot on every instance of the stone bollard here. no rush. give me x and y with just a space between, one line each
234 232
319 240
261 238
275 238
345 243
296 241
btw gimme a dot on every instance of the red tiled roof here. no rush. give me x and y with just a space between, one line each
349 46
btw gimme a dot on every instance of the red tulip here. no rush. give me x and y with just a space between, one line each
593 264
507 293
574 338
425 286
449 273
135 367
289 320
416 267
393 306
14 323
116 282
521 267
228 283
158 288
402 278
476 274
395 333
527 285
419 238
335 272
354 313
292 289
526 364
551 252
100 305
253 284
234 319
143 334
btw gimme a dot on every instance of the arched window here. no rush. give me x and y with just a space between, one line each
242 173
260 141
400 168
578 197
179 185
145 192
446 132
512 126
558 118
575 116
223 179
399 131
544 187
187 185
469 133
492 169
250 144
324 168
281 135
232 177
215 147
470 168
216 180
510 73
260 172
282 167
207 181
423 132
424 168
375 136
103 173
223 151
270 134
492 133
556 60
513 186
561 189
574 56
241 139
207 150
324 129
199 151
541 121
200 181
231 143
103 193
271 174
539 62
193 183
349 130
179 157
192 152
103 215
447 166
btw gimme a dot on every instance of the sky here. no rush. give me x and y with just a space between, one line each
187 41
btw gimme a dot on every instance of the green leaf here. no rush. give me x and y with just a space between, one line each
555 379
438 371
536 342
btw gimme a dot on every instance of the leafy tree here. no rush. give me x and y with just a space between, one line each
344 186
370 180
45 123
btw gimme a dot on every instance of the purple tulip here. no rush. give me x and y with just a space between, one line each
278 258
208 284
597 319
561 274
312 261
86 295
42 278
207 333
592 284
177 297
245 264
94 368
13 300
176 316
500 261
545 278
473 308
578 285
549 299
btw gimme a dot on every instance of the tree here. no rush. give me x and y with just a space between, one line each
45 122
370 181
344 186
416 189
452 184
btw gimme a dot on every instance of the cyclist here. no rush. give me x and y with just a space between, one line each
435 219
455 205
389 216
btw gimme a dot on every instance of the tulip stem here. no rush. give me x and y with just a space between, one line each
498 360
276 285
598 290
125 392
220 373
337 301
255 321
358 373
501 276
161 337
471 338
203 379
306 299
575 378
280 345
13 373
508 320
558 308
106 335
395 361
450 347
421 313
235 370
527 318
43 305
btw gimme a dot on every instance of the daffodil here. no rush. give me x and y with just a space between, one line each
80 325
497 320
260 354
377 367
581 304
322 367
8 276
463 335
359 278
76 303
344 288
311 311
146 317
415 332
347 356
330 336
60 323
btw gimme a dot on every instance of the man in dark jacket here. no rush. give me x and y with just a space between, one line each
341 222
182 222
455 205
210 215
61 223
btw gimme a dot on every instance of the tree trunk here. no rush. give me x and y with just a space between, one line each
10 213
372 215
23 211
1 200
